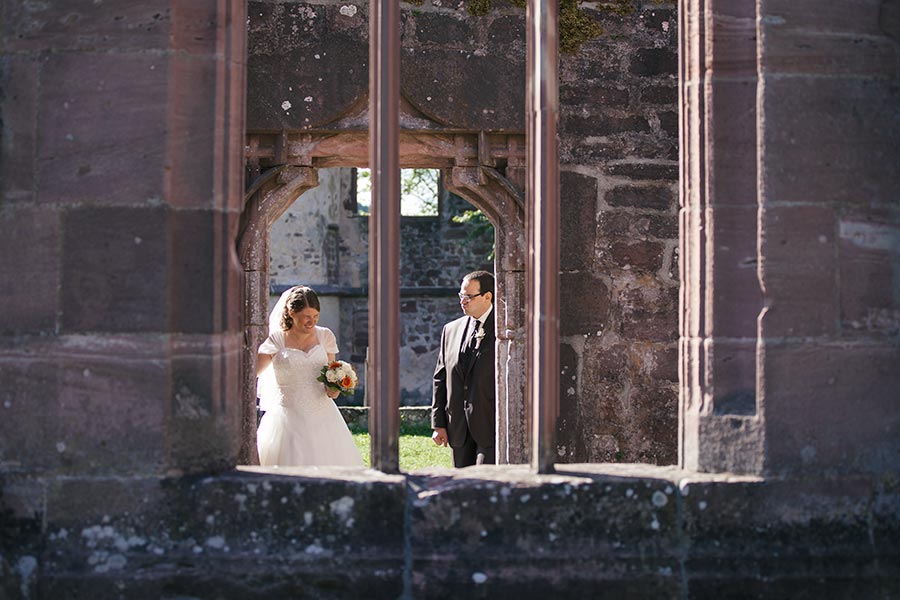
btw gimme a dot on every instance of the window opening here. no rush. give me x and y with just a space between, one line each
419 192
314 244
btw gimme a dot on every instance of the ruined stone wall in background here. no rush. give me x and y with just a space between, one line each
618 154
318 242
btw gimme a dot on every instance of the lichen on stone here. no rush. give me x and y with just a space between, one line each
575 27
479 8
618 7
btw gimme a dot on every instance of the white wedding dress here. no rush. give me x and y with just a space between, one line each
302 425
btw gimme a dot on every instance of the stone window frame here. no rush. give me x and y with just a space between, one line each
487 170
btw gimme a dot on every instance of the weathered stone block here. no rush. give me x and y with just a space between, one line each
733 125
661 363
644 170
209 289
668 123
833 116
659 20
81 162
204 412
869 250
19 90
732 373
765 543
288 535
191 179
645 256
647 310
316 35
581 93
798 270
29 405
472 91
29 273
660 94
451 30
616 224
569 424
800 51
507 31
601 125
111 419
734 29
841 416
584 303
656 197
649 62
578 202
737 298
131 24
492 518
606 359
603 150
113 270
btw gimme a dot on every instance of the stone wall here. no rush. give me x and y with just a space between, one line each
619 234
122 129
319 243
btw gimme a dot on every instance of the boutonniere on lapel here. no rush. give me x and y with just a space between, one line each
479 335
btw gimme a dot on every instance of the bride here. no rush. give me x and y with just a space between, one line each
301 425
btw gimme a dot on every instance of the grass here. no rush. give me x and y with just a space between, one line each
416 449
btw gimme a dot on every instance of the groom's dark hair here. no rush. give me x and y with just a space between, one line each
300 297
485 281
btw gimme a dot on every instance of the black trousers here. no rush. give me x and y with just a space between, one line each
471 453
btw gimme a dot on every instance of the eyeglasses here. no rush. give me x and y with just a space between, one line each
470 296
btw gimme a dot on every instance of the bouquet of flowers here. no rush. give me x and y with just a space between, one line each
340 376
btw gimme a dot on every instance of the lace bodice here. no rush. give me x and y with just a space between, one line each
295 375
294 372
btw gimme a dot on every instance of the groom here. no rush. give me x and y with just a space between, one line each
462 406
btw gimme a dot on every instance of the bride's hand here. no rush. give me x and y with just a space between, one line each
331 392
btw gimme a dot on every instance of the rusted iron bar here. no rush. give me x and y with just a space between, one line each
542 216
384 234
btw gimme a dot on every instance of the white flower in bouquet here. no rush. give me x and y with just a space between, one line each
339 375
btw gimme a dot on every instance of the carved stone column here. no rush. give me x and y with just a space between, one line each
261 210
721 296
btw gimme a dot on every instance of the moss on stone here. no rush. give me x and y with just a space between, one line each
575 27
479 8
618 7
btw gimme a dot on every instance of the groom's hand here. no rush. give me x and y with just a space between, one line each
440 436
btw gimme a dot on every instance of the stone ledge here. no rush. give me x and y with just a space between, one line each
628 530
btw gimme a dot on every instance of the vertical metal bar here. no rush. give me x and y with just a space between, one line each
384 233
542 208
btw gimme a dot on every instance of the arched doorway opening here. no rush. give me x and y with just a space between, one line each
486 170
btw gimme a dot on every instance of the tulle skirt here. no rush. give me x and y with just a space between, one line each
293 437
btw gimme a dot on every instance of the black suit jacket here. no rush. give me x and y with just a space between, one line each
463 396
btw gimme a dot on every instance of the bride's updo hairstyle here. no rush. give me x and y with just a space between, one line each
299 298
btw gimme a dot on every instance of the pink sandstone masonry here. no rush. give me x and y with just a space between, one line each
131 265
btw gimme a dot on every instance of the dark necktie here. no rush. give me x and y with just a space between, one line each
473 341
